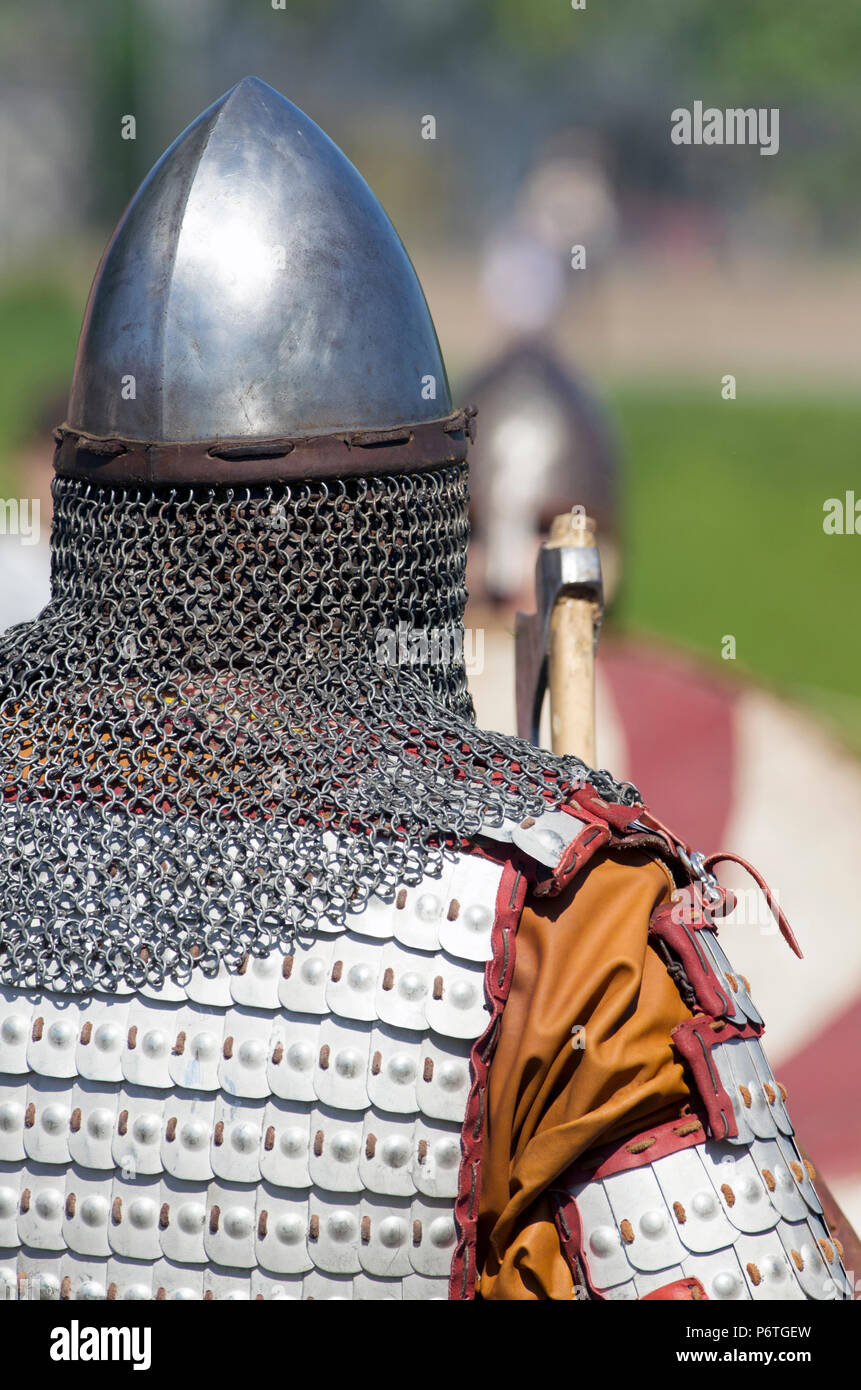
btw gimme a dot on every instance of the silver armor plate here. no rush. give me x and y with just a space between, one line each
742 1216
292 1131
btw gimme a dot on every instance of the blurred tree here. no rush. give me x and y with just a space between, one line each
123 73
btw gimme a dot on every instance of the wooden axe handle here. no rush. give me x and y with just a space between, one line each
571 654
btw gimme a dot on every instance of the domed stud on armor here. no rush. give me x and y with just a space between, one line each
343 1146
294 1141
186 1144
348 1063
12 1114
154 1043
14 1029
293 1061
195 1052
245 1054
386 1234
91 1290
46 1286
335 1232
87 1207
604 1240
286 1144
434 1237
403 987
653 1223
304 977
444 1078
107 1037
14 1036
204 1047
727 1284
176 1285
290 1230
457 1007
797 1167
388 1145
282 1232
705 1204
393 1232
182 1221
607 1258
46 1120
766 1267
436 1158
340 1075
132 1222
101 1042
429 907
40 1212
191 1217
402 1069
10 1189
145 1059
353 976
139 1293
739 1187
336 1143
394 1069
419 911
256 986
236 1141
142 1213
735 1065
229 1232
146 1128
466 929
53 1039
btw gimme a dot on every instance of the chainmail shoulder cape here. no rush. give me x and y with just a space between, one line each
243 713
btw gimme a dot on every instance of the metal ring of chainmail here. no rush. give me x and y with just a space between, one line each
210 738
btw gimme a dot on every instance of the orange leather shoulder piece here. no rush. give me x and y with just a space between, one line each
584 1057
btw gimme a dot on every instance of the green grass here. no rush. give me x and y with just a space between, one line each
724 511
39 325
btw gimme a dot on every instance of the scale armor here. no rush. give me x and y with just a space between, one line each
260 874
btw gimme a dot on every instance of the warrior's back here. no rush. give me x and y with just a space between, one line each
308 987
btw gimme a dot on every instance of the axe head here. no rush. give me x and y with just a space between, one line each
568 566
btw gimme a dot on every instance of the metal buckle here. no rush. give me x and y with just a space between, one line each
695 863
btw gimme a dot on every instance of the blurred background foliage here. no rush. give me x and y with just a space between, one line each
716 260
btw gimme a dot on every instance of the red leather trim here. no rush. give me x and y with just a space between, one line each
680 1291
575 856
695 1039
779 915
619 817
669 923
567 1218
637 1151
691 908
498 974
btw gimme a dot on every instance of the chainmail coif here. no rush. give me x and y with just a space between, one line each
207 744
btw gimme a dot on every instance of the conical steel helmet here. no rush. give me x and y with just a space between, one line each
255 316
